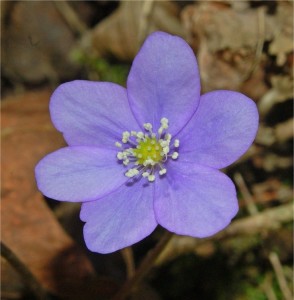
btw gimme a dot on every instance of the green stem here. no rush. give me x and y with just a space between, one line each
144 268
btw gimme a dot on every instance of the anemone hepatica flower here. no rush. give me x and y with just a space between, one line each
150 153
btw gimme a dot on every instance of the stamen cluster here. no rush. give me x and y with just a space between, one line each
147 151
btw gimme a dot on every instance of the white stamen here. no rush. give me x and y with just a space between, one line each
120 155
147 151
148 161
126 134
168 136
140 135
151 177
148 126
132 172
164 121
165 150
126 162
175 155
162 172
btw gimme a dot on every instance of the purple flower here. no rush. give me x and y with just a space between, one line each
148 154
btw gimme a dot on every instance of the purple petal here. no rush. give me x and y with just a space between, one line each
164 82
195 200
222 129
91 113
120 219
79 174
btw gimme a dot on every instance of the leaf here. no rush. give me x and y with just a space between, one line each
29 227
121 33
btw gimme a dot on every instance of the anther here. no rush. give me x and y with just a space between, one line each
175 155
120 155
132 172
165 150
148 126
162 172
168 136
164 121
176 143
146 152
140 135
151 177
126 162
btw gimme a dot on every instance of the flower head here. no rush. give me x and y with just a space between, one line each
148 154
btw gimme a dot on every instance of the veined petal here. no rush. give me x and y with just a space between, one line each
79 174
195 200
164 82
119 219
91 113
222 129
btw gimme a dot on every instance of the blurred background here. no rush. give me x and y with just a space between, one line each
245 46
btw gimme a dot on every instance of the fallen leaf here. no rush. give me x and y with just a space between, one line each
12 286
36 42
29 227
121 34
271 190
229 45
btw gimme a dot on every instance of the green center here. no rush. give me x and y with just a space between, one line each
148 149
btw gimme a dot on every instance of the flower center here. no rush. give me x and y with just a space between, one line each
147 152
148 149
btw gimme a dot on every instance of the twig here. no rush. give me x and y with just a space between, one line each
252 209
147 8
25 273
144 268
267 287
127 254
70 16
281 91
260 42
268 136
275 261
268 219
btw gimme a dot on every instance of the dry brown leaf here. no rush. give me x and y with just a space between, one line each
282 90
281 133
270 190
120 34
12 286
229 46
36 43
282 42
28 226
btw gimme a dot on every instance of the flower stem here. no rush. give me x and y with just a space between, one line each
144 267
25 273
